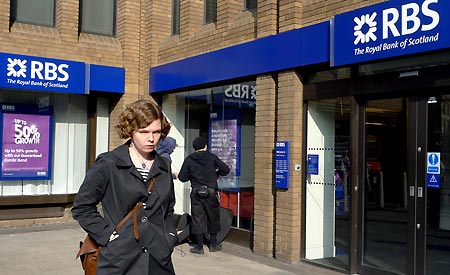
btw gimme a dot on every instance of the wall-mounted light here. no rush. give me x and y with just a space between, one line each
408 74
432 100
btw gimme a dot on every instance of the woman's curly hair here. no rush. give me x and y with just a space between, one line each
138 115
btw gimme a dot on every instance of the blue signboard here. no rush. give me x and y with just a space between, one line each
390 29
42 74
282 164
433 169
433 180
313 164
106 78
433 163
286 50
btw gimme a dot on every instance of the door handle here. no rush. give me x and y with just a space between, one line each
419 192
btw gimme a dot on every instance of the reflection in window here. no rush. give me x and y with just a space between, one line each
36 12
175 17
251 4
226 116
210 11
98 17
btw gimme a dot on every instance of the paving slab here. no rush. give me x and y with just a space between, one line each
51 250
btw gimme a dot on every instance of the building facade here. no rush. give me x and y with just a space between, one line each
345 102
332 116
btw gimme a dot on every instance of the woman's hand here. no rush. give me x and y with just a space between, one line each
113 236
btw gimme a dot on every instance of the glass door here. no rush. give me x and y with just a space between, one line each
328 182
437 203
385 201
406 203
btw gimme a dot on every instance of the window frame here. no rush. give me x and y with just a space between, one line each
13 18
81 26
250 4
176 11
210 11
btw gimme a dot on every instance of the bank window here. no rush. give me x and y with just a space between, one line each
328 183
251 4
328 75
67 154
225 115
210 11
175 17
98 17
36 12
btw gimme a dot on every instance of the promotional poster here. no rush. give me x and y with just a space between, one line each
26 145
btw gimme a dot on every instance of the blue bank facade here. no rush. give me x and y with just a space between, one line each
375 143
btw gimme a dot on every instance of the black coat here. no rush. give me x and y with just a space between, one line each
114 181
202 168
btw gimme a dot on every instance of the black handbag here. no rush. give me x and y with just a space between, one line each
202 192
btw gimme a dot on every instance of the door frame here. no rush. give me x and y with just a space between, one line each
416 144
417 202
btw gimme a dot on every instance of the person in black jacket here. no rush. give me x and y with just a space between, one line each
202 168
118 180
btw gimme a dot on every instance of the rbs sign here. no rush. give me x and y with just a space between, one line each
49 71
35 73
390 29
409 18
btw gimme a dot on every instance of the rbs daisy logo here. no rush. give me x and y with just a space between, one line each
368 20
16 67
38 70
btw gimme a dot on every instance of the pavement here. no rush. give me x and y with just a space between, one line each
51 250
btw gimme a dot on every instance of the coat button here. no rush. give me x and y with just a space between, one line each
144 249
144 219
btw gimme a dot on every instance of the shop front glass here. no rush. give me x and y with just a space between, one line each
438 187
65 149
226 116
328 182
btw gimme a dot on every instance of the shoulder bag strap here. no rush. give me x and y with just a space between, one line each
133 213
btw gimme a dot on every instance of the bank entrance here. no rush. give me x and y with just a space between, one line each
377 179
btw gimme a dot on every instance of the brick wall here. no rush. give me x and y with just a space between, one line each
264 208
290 125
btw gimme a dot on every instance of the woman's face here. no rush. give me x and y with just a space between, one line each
146 139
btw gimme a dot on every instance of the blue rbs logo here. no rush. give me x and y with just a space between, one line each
37 70
390 29
408 19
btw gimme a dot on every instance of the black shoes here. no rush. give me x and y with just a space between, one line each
215 248
200 251
197 250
